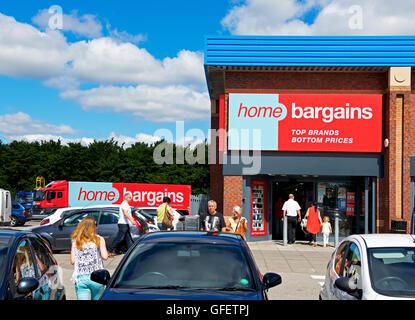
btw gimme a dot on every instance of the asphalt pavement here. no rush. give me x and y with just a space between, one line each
301 266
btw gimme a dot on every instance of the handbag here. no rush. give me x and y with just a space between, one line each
304 223
167 219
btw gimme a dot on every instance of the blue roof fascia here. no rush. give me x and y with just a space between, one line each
309 51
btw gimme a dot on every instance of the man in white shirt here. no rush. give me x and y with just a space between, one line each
291 209
124 221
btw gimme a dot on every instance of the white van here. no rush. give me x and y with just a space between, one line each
5 206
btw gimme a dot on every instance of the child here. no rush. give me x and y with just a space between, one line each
326 230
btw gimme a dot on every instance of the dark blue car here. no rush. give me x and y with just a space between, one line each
28 269
19 215
192 265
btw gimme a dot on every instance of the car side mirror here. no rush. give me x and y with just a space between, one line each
271 280
101 276
349 286
27 285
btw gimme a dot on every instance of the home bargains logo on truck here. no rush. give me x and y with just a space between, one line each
144 195
306 122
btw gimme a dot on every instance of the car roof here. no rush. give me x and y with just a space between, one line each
9 233
192 236
380 240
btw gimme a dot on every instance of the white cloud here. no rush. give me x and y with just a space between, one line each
169 104
108 61
86 25
130 79
20 123
27 52
335 17
85 141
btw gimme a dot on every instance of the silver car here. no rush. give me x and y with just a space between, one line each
371 267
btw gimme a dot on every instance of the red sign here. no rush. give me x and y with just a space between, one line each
152 194
308 122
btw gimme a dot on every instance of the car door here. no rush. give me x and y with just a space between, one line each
67 225
335 269
46 272
108 225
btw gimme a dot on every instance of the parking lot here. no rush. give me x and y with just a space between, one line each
302 267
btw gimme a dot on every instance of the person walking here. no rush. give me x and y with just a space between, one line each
326 230
124 221
87 252
236 223
212 221
162 210
291 209
314 222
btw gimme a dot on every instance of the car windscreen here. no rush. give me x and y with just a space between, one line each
184 265
24 198
392 271
4 248
40 195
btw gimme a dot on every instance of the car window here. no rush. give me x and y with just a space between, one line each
109 217
341 251
60 194
4 248
352 264
151 212
43 258
392 271
74 219
187 265
23 266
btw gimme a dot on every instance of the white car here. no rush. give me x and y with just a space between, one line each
59 213
371 267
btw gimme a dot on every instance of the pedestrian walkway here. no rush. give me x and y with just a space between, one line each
301 266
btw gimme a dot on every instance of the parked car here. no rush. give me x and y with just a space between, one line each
58 234
151 214
371 267
19 214
187 265
28 269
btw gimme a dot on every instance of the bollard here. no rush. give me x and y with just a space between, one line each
284 234
336 229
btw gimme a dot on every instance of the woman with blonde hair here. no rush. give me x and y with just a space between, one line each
237 223
88 251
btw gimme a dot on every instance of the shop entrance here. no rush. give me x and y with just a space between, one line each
304 195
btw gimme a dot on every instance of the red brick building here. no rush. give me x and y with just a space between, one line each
366 178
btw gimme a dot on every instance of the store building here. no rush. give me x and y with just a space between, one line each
329 119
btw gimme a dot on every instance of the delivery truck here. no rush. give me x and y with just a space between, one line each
5 206
61 194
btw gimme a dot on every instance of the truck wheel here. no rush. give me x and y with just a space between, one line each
14 222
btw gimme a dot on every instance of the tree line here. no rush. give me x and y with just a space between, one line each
101 161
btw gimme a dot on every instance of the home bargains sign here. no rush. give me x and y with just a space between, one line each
305 122
143 195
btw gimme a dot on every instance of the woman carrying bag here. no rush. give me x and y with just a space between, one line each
237 223
314 222
164 215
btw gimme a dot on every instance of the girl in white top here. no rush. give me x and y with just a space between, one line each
88 251
326 230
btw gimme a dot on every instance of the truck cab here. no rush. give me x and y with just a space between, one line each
50 198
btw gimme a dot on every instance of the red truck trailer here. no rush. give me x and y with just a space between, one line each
60 194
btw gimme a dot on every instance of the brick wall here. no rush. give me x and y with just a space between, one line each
229 193
232 193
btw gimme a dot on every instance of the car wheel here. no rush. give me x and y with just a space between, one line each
14 222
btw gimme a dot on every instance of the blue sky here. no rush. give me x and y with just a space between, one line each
128 68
